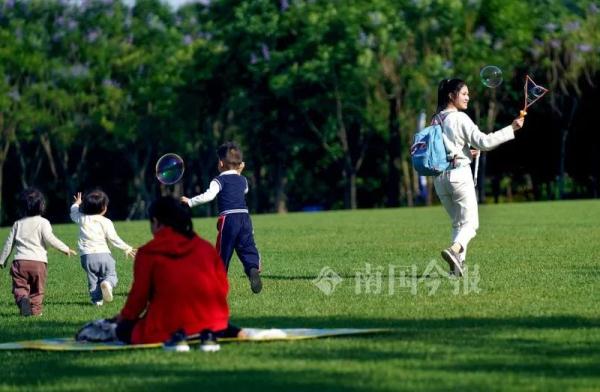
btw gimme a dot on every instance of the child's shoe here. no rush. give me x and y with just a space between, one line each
255 282
208 342
177 342
107 289
25 306
98 303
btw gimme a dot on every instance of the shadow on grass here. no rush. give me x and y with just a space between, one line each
496 337
77 302
546 347
300 277
177 375
344 276
407 325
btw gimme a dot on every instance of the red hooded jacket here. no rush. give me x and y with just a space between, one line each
180 283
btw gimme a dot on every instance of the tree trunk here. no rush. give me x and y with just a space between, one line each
3 154
72 179
7 132
22 164
47 146
564 135
280 195
348 167
407 183
481 179
492 114
353 202
394 162
255 184
143 197
350 189
496 188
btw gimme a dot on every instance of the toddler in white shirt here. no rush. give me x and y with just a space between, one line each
94 232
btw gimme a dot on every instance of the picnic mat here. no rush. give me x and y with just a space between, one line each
254 335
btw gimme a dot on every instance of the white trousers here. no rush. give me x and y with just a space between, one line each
456 191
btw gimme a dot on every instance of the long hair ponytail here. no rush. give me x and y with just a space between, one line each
445 88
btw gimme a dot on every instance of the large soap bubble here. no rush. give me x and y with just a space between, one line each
169 169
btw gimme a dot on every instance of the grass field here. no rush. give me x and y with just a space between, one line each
526 318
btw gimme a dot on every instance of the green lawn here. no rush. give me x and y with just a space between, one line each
529 319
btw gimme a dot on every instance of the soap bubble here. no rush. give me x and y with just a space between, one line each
491 76
169 169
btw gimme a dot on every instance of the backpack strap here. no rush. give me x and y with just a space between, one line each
439 119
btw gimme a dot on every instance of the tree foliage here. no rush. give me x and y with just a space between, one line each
323 96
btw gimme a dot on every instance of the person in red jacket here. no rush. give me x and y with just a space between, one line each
179 282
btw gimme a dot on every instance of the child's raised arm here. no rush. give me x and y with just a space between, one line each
8 245
75 214
213 189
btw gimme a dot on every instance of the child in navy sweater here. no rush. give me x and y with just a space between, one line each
234 225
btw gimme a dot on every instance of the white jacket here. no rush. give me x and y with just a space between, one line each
94 231
30 237
461 133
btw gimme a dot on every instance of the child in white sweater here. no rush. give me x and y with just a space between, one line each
29 237
94 231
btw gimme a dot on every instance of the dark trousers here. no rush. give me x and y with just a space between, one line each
29 281
125 330
236 233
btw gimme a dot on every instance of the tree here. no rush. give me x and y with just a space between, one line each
150 71
565 51
22 61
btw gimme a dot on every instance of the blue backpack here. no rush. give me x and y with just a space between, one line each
428 152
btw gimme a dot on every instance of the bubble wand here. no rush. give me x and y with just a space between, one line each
533 92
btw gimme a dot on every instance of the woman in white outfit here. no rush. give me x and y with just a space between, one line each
455 187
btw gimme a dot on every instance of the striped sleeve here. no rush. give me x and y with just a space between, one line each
212 192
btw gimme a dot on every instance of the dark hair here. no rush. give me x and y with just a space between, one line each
447 87
230 154
173 213
94 202
31 202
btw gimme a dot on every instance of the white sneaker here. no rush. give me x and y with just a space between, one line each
177 343
98 303
106 288
208 342
453 260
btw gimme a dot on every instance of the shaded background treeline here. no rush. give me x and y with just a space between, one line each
323 96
